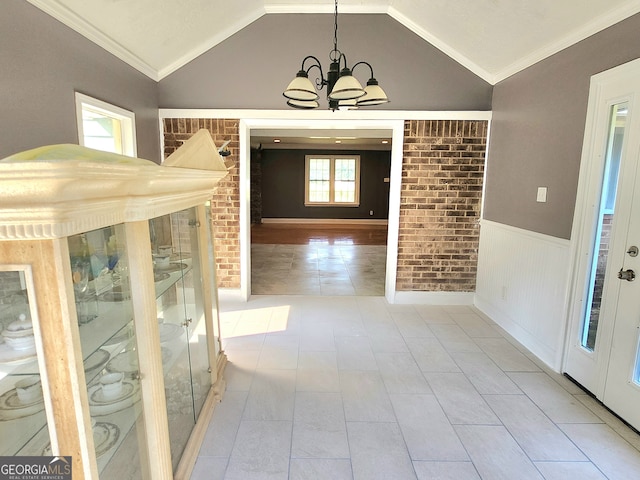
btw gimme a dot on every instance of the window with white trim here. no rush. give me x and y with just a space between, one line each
332 180
103 126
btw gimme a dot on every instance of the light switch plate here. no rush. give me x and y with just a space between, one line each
542 195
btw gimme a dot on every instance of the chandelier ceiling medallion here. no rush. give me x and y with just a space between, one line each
343 89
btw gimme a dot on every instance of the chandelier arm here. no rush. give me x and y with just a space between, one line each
320 82
316 65
364 63
343 57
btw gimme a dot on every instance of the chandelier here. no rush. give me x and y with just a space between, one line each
343 89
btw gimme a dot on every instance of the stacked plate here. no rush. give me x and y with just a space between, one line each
19 334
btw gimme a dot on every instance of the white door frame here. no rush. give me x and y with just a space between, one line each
584 228
396 130
296 119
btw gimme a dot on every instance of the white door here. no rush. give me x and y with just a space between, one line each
604 342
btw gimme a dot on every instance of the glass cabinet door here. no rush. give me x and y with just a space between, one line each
23 423
102 290
182 322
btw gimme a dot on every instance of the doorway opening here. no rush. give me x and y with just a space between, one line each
320 230
394 130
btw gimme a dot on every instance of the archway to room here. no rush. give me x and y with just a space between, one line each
336 246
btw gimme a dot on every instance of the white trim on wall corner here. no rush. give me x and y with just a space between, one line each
268 116
75 22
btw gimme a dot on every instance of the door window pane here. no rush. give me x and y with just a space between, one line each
605 223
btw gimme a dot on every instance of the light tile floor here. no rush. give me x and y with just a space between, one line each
354 388
318 269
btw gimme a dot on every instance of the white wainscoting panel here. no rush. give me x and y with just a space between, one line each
522 285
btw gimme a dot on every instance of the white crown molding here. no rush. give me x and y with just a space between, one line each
598 24
211 42
280 117
440 45
78 24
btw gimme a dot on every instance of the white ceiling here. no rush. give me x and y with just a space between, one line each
492 38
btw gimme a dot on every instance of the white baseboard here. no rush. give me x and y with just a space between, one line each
434 298
231 295
546 353
326 221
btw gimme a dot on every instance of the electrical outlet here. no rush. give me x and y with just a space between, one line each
503 294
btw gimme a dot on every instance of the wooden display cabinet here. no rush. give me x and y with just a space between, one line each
110 348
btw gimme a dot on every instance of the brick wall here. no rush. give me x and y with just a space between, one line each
441 194
225 204
440 201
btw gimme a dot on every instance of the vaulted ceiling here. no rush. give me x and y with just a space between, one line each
492 38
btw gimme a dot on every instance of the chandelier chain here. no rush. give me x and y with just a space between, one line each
335 54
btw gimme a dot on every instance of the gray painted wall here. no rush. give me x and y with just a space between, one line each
538 127
252 68
43 63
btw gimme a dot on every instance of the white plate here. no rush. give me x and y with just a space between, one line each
98 405
96 360
11 407
172 267
125 362
105 436
169 331
160 276
16 357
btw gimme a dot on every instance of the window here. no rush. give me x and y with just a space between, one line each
103 126
332 180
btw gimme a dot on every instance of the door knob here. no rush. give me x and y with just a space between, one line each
628 275
633 251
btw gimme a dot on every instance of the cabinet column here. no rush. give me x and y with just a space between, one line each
60 360
154 405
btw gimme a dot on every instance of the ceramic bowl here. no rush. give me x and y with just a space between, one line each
111 385
29 390
20 343
19 328
161 261
165 249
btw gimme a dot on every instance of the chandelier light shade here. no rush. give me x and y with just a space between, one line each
303 104
373 94
344 91
301 88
